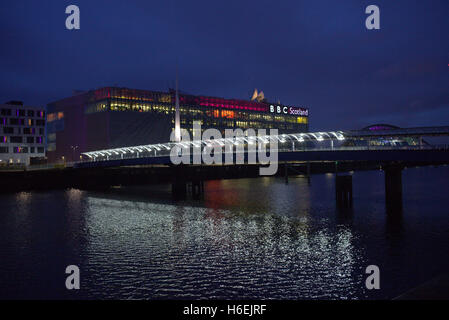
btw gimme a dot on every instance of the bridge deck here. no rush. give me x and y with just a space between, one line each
435 155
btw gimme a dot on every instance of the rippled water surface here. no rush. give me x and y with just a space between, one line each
249 238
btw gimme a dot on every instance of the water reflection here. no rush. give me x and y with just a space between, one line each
247 239
202 252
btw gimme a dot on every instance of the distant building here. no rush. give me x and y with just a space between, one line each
22 133
388 140
114 117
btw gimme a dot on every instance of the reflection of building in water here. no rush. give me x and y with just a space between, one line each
190 252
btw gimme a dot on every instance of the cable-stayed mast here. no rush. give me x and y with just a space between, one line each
177 116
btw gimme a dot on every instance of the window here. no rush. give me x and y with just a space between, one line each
29 130
40 150
3 139
20 150
51 137
51 146
30 122
30 113
55 116
30 139
20 113
40 140
41 131
3 121
4 150
6 112
302 120
40 123
16 139
8 130
32 150
14 121
51 117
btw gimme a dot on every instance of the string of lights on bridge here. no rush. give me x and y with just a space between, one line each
161 149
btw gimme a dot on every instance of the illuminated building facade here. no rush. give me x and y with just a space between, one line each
22 133
113 117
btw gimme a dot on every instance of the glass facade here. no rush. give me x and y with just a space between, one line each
22 133
212 112
112 117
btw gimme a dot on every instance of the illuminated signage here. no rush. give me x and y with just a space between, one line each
289 110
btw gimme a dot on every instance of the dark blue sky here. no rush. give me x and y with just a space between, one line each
305 53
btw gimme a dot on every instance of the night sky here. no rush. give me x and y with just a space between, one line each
305 53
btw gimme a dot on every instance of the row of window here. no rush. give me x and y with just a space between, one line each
22 149
130 94
21 122
22 113
211 122
11 130
245 125
284 127
17 139
55 116
195 112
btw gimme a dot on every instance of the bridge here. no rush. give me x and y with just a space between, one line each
314 146
295 154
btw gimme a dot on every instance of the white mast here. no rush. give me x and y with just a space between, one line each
177 117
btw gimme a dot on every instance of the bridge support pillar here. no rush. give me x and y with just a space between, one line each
179 190
343 191
179 183
197 189
308 171
393 188
286 173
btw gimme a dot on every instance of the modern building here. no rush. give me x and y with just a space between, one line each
22 133
114 117
364 138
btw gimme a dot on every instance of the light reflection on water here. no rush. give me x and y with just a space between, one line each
190 252
248 239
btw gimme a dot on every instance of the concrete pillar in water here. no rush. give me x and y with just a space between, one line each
343 191
197 189
393 188
179 183
308 172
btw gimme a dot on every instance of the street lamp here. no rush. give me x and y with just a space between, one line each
73 152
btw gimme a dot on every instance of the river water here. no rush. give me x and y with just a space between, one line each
247 239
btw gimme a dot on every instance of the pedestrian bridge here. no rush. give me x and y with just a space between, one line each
358 145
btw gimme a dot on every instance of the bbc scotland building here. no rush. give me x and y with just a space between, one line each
113 117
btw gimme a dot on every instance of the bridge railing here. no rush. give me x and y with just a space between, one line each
282 147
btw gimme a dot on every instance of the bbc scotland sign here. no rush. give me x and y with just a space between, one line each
289 110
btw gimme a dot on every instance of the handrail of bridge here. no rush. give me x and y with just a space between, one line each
413 132
162 148
166 153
